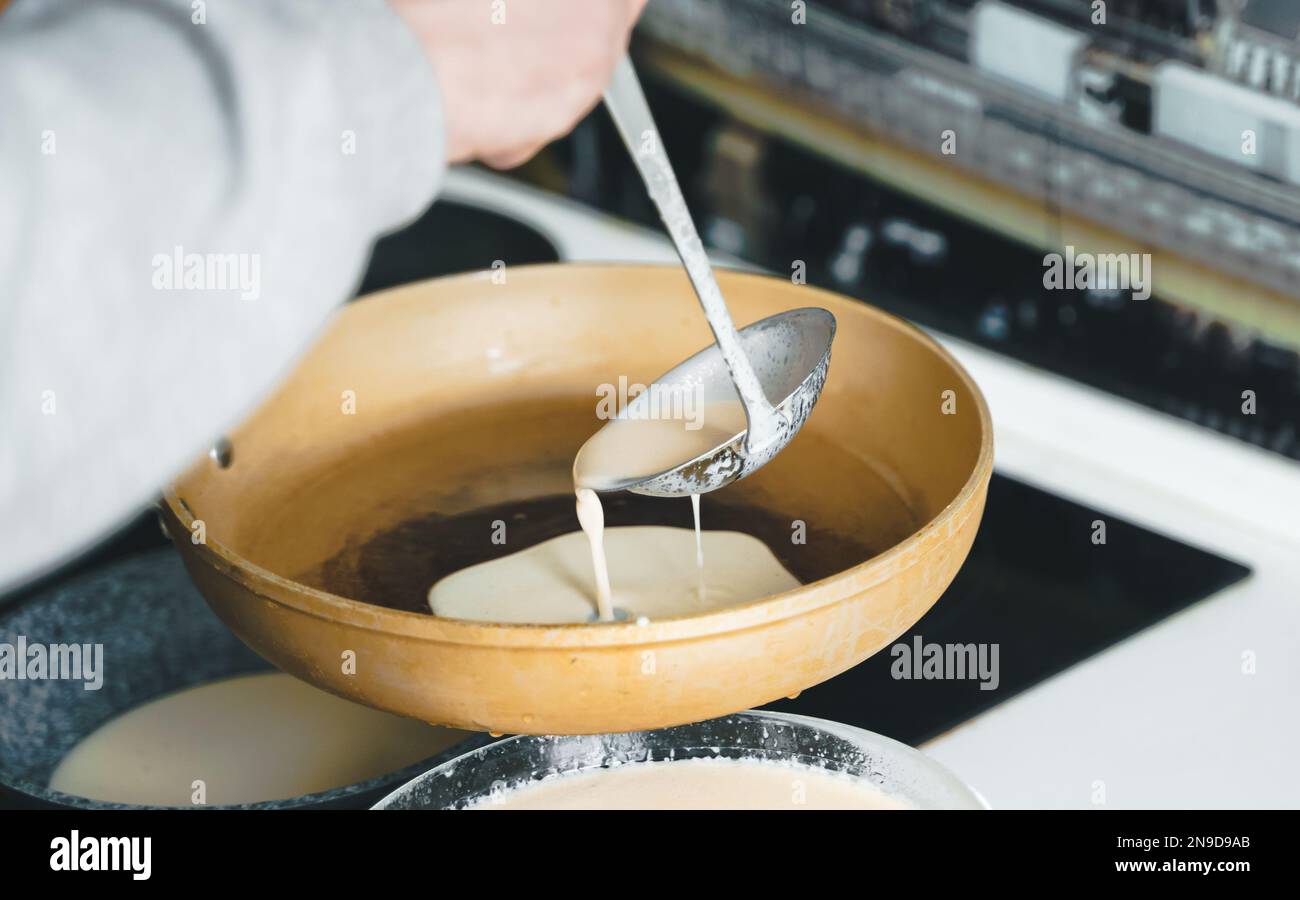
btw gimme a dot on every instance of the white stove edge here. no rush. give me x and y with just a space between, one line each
1168 718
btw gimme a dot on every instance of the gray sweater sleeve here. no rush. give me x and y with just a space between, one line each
186 192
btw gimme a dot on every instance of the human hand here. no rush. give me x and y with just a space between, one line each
516 75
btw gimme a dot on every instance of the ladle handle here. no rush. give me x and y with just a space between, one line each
627 106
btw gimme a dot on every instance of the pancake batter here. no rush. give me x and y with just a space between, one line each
591 516
250 738
698 784
653 571
567 579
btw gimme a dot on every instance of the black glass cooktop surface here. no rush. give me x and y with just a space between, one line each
1040 590
453 237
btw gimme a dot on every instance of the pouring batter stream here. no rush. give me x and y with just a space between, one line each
635 572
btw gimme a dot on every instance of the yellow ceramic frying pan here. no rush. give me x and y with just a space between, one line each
434 400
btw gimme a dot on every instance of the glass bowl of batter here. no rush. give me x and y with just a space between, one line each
750 760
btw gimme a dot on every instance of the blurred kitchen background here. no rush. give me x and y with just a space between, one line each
822 142
810 136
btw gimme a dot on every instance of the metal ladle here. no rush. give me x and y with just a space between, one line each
784 356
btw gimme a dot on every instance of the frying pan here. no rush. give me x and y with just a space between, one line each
452 395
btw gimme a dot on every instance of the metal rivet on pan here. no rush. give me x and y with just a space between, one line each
222 453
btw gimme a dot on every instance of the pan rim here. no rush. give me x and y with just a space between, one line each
765 611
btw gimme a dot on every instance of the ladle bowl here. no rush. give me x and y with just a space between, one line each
790 353
446 397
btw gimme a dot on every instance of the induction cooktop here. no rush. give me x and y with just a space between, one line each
1044 587
1038 589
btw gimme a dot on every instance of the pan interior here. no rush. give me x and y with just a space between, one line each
445 494
470 402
